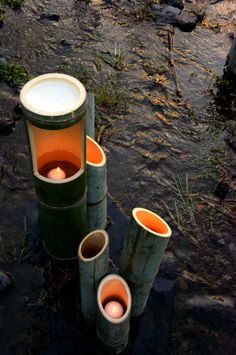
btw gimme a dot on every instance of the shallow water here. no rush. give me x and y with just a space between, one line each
157 139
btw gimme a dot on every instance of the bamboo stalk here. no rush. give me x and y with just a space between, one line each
90 115
93 256
54 106
143 248
113 332
97 185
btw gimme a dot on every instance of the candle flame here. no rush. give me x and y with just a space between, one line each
58 169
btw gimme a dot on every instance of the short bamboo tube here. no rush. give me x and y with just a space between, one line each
143 248
113 332
97 185
93 256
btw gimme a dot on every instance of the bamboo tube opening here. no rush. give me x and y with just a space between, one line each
114 288
93 245
53 94
94 153
151 222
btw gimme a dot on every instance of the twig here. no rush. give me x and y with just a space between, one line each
172 63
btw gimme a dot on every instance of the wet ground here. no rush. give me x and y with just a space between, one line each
166 119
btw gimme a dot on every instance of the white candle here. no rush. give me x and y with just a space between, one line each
114 309
56 174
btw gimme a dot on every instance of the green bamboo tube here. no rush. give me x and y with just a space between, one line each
142 251
62 229
93 256
97 185
113 332
90 116
54 106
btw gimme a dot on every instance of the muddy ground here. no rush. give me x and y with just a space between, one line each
165 116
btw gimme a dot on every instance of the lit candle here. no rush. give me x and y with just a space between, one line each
56 174
114 309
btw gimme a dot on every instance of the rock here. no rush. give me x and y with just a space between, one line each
5 281
155 9
51 17
231 64
221 190
186 21
170 13
175 3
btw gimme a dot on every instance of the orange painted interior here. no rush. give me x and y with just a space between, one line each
93 153
55 145
152 222
114 290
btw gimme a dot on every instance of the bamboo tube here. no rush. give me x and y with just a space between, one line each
113 332
54 106
97 185
90 115
143 248
93 256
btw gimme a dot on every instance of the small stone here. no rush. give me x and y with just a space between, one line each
221 190
5 281
186 21
170 13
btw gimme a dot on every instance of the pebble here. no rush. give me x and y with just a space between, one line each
186 21
5 281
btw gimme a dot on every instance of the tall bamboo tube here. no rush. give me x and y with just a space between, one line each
113 332
54 106
93 255
143 248
97 185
